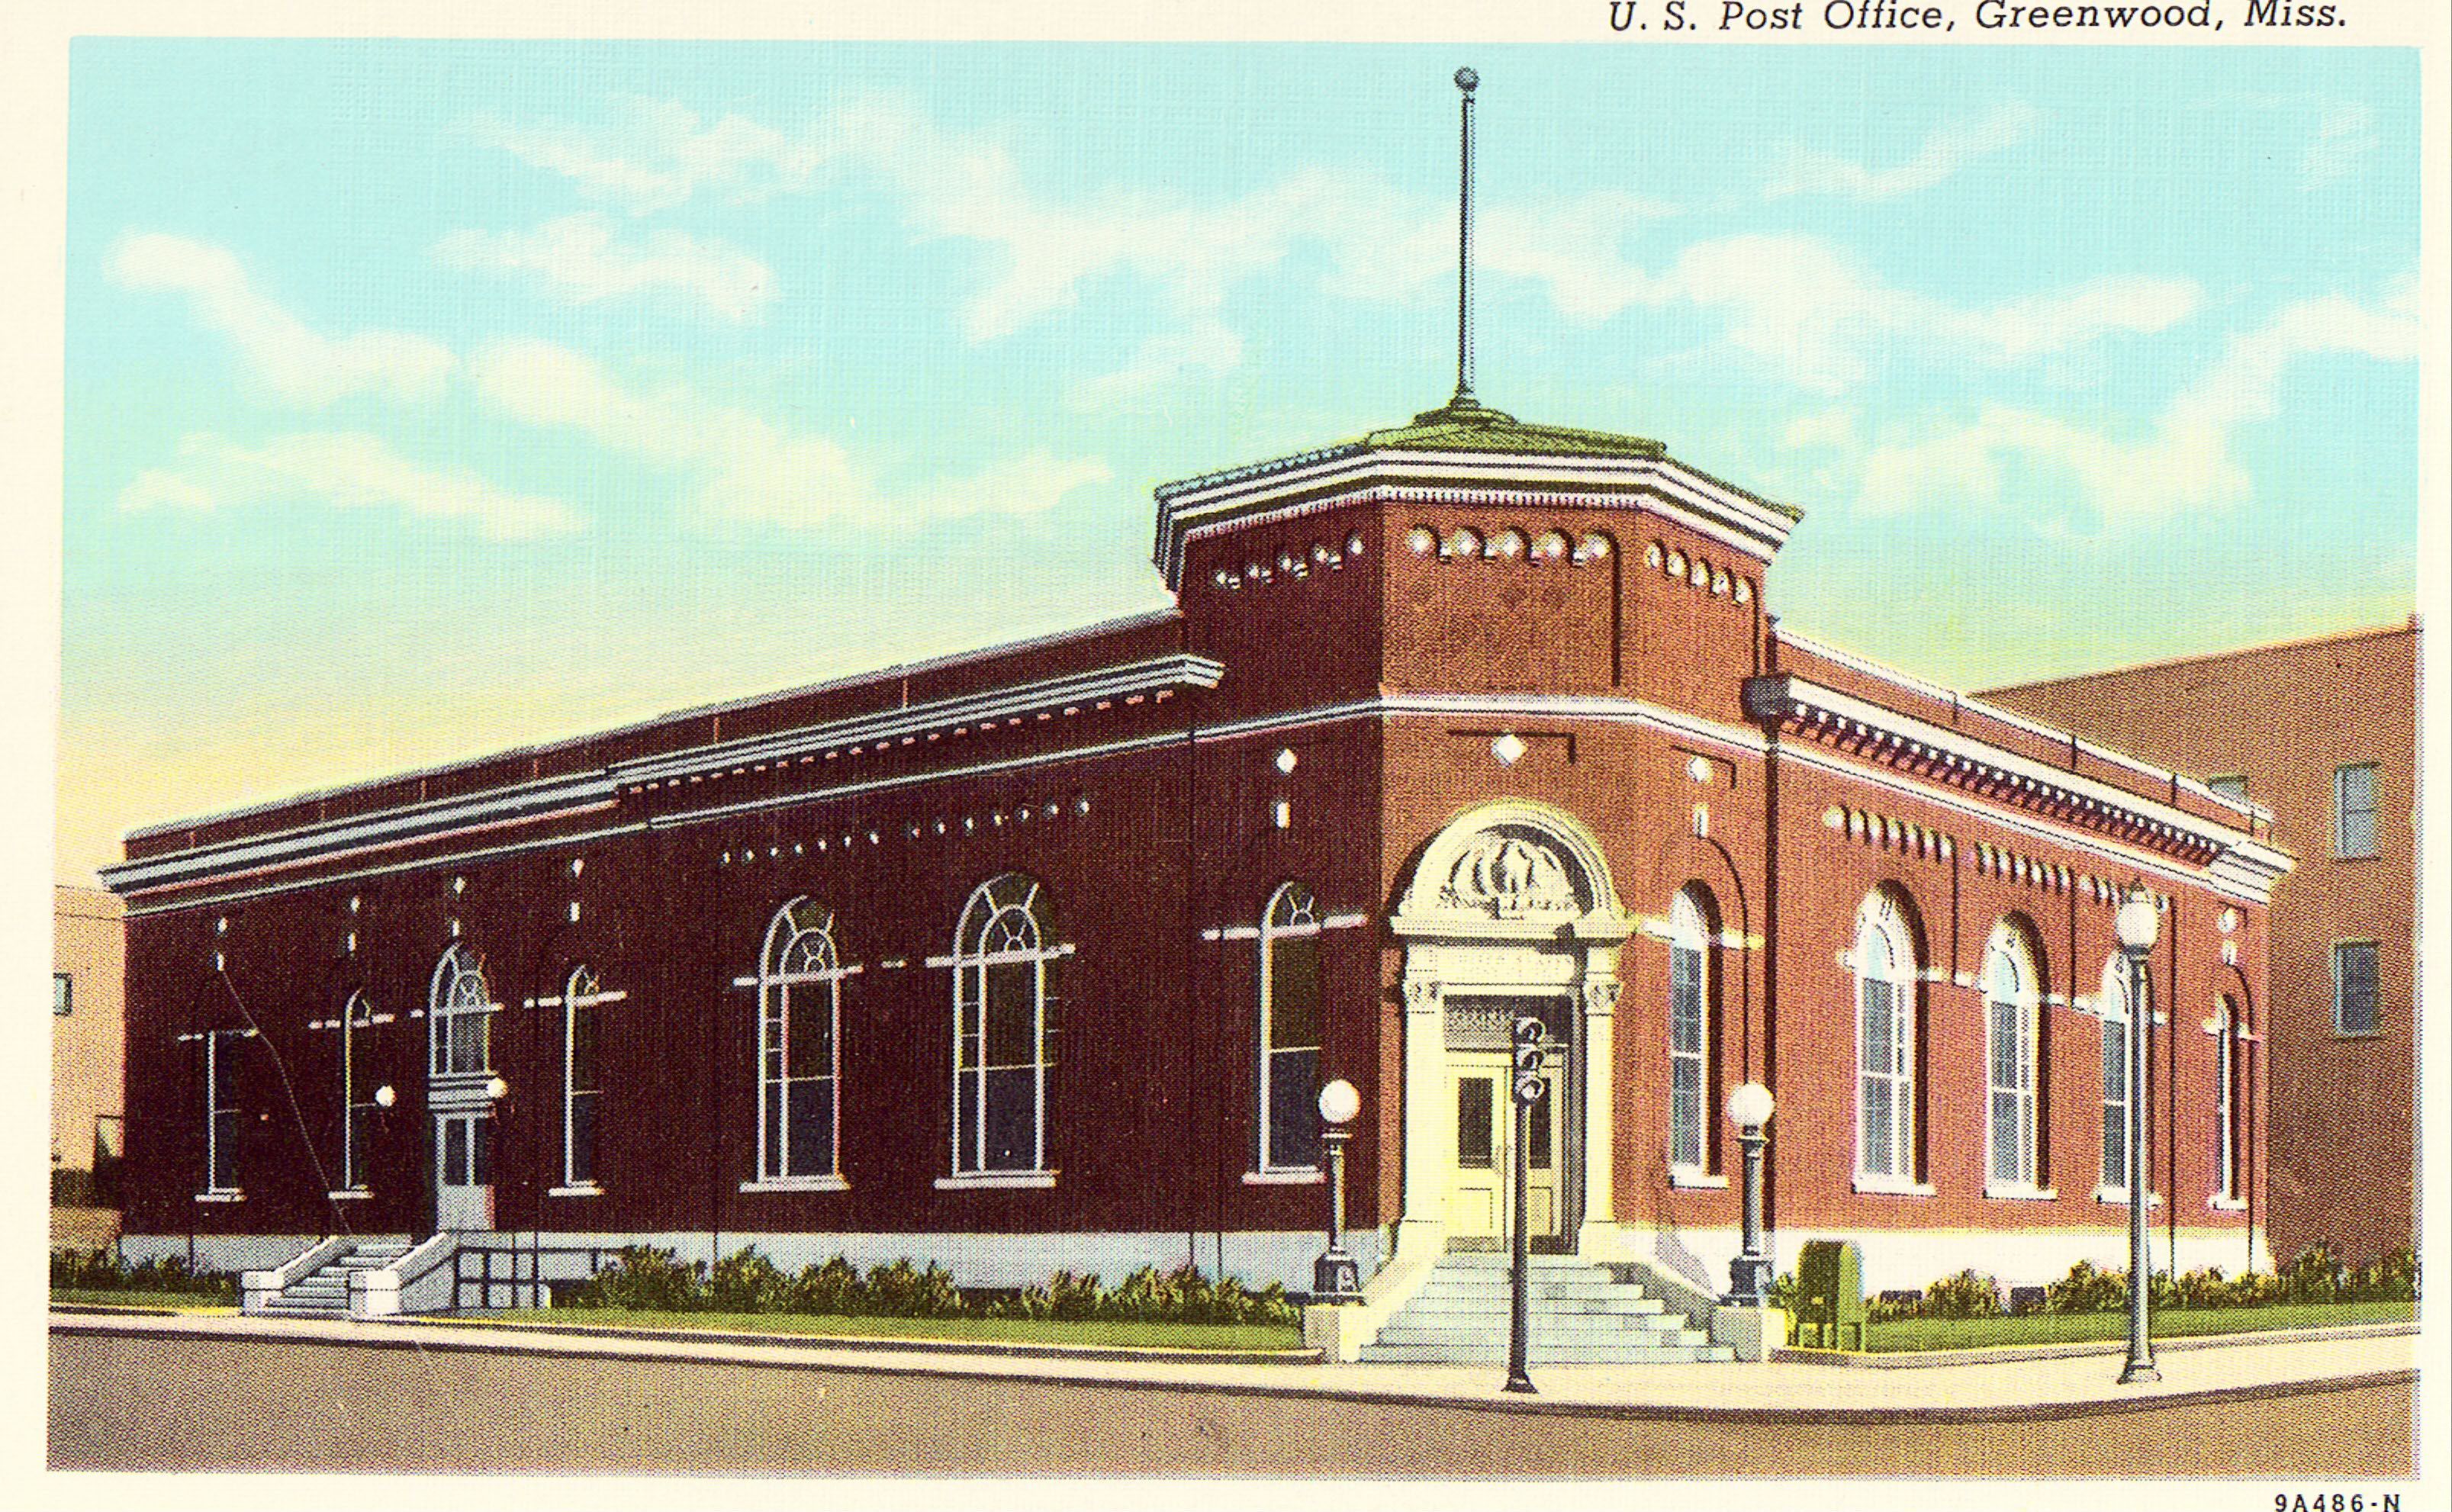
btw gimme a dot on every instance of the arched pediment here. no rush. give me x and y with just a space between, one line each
1512 868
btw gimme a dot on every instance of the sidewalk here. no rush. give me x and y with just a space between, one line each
1987 1390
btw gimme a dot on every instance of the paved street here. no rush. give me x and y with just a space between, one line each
168 1401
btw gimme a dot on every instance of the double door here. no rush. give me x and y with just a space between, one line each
1481 1088
464 1175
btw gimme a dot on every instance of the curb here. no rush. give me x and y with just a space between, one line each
989 1347
600 1347
2076 1349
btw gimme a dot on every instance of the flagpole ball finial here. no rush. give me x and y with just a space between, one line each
1465 79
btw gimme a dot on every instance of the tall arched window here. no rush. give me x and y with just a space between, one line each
459 1013
1689 1017
1290 1030
582 1084
1005 1028
2119 1078
2012 990
1886 1039
357 1097
800 1059
2230 1102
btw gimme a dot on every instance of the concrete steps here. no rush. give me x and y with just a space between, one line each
325 1293
1581 1314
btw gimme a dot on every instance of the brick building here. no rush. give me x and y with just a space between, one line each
1037 957
2324 733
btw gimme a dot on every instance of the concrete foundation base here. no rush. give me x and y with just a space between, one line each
1752 1332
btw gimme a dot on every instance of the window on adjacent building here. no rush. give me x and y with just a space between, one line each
583 1087
357 1100
1290 1030
63 995
1886 1069
799 1054
2354 987
2011 994
2354 811
1690 950
1004 1029
459 1014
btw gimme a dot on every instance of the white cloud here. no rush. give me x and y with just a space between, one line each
2346 133
662 156
2185 462
346 470
581 259
299 364
747 469
1944 152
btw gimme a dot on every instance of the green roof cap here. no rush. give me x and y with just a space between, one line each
1469 426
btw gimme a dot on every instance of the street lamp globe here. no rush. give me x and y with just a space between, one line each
2135 924
385 1096
1749 1106
1339 1102
498 1088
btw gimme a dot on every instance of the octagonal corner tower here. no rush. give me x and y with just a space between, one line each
1470 552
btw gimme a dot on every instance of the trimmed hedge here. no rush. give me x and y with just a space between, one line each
652 1280
2312 1276
108 1271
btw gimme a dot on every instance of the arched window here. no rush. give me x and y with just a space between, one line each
1886 1039
2012 990
1005 1028
357 1097
800 1020
1290 1030
1689 1017
2119 1078
459 1016
2229 1101
582 1084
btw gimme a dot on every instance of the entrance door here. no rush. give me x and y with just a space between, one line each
1481 1086
464 1176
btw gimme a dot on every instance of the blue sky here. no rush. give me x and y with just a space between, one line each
425 398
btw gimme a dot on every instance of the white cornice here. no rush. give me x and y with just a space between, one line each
1690 497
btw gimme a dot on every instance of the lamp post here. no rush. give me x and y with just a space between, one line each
1749 1109
1335 1277
2135 927
1526 1036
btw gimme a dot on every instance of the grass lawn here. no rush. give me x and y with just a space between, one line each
185 1300
1001 1331
1979 1333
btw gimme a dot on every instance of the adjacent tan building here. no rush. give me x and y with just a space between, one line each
2324 733
88 961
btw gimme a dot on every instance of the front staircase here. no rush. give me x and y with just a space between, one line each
1581 1314
324 1293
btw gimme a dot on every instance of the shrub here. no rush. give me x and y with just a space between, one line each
834 1288
2087 1289
1887 1306
2203 1288
1964 1295
1072 1298
748 1282
108 1271
646 1280
1786 1292
2393 1277
2312 1275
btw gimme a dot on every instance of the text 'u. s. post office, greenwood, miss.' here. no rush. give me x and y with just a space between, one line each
1039 958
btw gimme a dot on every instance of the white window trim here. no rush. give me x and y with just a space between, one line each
2018 1191
1878 911
1039 957
2333 963
1893 1186
782 931
571 1003
1694 1178
2218 1203
1696 938
223 1194
998 1180
1294 1176
2027 1003
349 1194
829 1183
2374 811
2118 1196
212 1039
